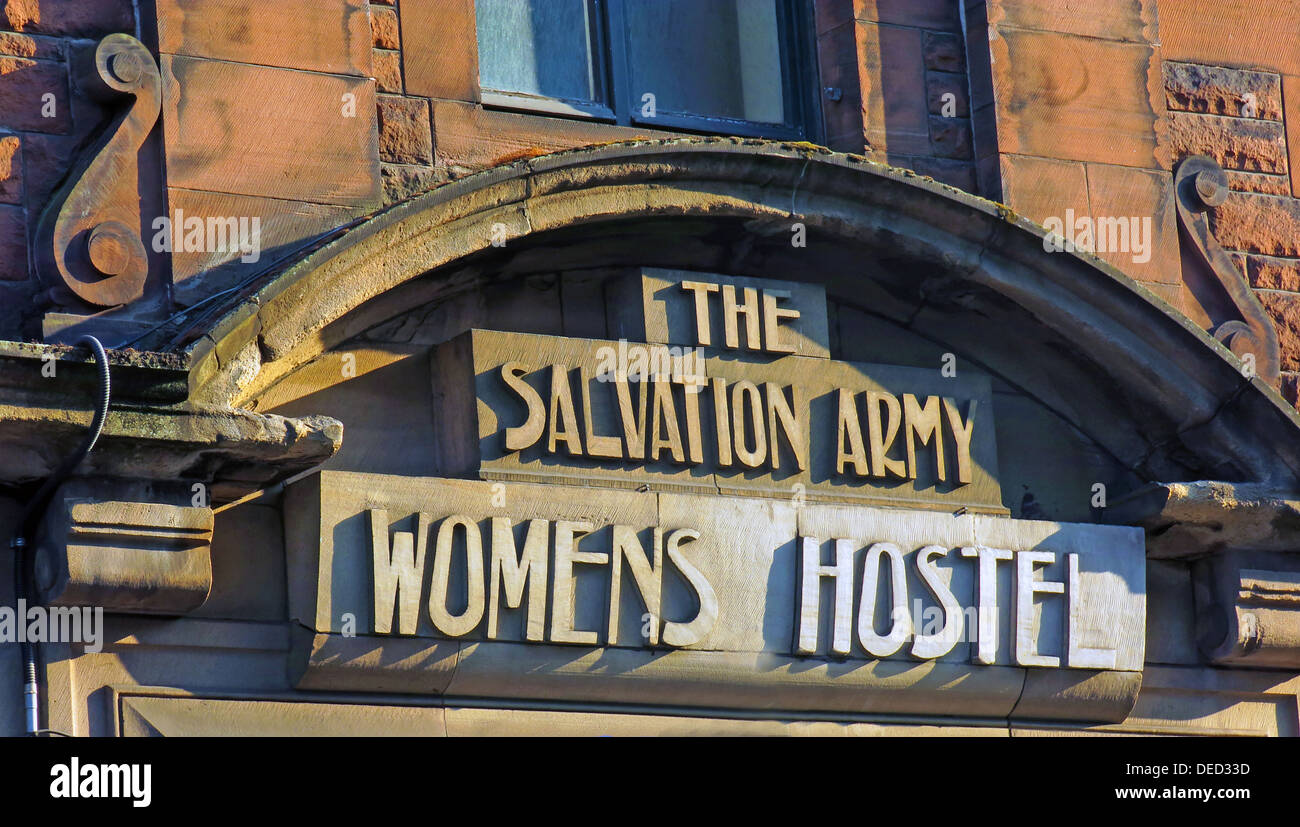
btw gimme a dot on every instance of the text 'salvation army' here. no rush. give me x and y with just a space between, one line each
877 434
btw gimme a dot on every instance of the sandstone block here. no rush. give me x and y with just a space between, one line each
11 170
404 135
1285 310
1258 224
1236 143
383 28
82 18
1215 90
24 89
1271 273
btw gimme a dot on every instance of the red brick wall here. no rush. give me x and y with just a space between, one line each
1232 87
1236 117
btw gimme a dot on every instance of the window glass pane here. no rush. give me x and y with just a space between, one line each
707 57
537 47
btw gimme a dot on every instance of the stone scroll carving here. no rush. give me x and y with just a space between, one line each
1201 184
90 240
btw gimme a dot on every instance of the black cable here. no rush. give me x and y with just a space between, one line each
32 512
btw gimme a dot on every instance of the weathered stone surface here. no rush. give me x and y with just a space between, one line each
1132 21
1022 301
401 181
940 84
225 125
404 132
23 86
944 52
950 137
1190 87
247 565
326 37
1285 310
35 47
1272 273
959 174
478 723
61 17
1236 143
13 244
388 71
383 28
1194 519
1258 224
1260 182
101 212
11 170
1076 98
1248 608
173 714
1290 388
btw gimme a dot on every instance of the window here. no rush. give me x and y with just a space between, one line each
719 66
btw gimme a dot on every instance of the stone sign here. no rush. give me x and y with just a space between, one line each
745 401
727 514
478 560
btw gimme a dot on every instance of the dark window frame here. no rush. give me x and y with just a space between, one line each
617 104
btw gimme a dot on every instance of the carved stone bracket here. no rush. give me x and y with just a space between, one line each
1186 520
1248 610
90 240
126 546
1240 540
1201 184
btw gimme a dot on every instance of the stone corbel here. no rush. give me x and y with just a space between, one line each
1248 610
1238 319
89 240
126 547
1187 520
1241 540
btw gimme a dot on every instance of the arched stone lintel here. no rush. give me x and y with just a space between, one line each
1140 378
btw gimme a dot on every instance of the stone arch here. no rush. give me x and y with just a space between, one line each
1139 378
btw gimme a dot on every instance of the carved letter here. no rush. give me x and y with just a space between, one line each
465 622
517 439
517 572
